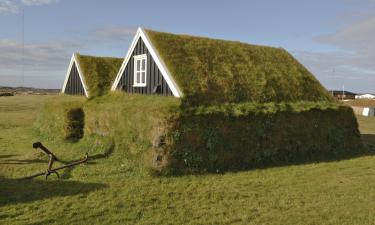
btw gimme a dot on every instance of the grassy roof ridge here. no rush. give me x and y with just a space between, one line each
209 38
210 71
100 57
98 72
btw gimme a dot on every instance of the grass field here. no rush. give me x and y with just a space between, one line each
361 102
340 192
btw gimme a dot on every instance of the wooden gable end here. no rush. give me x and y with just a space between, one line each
74 85
155 82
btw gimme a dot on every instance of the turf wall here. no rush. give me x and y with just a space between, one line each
162 136
217 141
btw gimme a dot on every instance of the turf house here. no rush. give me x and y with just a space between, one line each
214 71
182 104
90 75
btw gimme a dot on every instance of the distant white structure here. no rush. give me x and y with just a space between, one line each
365 96
364 111
368 112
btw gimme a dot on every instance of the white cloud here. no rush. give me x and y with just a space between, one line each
8 6
41 56
45 63
335 69
13 6
359 39
354 63
37 2
359 36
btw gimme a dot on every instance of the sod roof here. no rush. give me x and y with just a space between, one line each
98 72
210 71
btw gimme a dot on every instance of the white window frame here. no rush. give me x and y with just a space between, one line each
140 58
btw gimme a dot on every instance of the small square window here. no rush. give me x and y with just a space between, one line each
140 73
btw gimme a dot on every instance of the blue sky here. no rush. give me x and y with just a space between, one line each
333 38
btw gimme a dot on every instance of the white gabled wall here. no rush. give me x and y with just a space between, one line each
163 69
72 61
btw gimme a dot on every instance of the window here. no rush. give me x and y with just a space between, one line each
140 63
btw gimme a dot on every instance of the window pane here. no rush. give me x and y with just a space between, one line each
143 64
138 65
143 77
138 77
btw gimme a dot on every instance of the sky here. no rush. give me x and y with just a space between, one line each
334 39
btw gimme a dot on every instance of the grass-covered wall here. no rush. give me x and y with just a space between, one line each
123 128
53 120
245 136
152 133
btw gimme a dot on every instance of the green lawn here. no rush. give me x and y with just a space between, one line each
323 193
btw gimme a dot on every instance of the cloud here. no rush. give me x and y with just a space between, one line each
37 2
358 38
115 33
353 61
52 55
45 63
13 6
8 6
323 62
335 69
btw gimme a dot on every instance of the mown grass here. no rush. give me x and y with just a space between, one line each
361 102
340 192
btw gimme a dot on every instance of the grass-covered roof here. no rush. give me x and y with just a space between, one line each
98 72
210 71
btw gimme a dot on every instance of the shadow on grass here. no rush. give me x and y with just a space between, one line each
369 141
21 161
7 160
66 173
23 191
107 153
6 156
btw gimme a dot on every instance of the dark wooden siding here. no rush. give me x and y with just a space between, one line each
154 80
74 85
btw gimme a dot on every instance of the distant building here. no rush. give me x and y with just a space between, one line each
365 96
343 95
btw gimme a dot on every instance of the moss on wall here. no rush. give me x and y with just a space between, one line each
52 120
159 134
218 141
